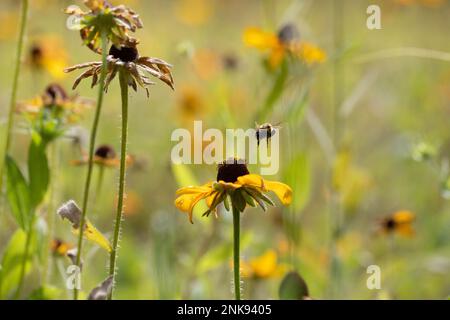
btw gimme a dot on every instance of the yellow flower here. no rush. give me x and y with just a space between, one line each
286 42
48 53
264 266
235 187
399 222
105 156
50 113
190 103
193 12
59 247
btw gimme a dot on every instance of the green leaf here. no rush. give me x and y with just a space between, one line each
276 91
45 292
215 258
293 287
38 170
12 262
18 194
298 176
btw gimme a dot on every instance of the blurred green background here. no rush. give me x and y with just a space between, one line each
351 138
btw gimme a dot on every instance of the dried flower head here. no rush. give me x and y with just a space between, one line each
126 58
103 17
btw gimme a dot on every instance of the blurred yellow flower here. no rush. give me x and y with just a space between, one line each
59 247
194 12
67 109
235 182
349 180
104 156
264 266
286 42
10 22
399 222
190 103
48 53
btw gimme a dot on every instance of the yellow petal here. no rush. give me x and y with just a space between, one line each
186 202
194 189
276 57
252 180
283 191
256 38
405 229
92 234
403 216
266 265
210 198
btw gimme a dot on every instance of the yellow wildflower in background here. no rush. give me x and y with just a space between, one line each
47 53
400 223
285 42
264 266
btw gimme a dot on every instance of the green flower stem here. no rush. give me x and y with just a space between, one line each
50 211
123 155
12 106
25 258
236 254
87 186
101 174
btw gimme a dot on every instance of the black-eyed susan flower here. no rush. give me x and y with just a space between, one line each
114 21
234 187
264 266
50 113
126 58
47 53
104 156
399 222
284 43
59 247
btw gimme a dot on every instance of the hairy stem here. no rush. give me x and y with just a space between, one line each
123 155
236 254
12 106
87 185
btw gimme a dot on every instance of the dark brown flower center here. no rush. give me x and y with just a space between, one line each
230 170
55 92
125 54
389 224
105 152
36 53
288 33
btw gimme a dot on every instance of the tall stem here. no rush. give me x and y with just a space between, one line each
12 106
24 259
87 185
54 163
236 254
123 155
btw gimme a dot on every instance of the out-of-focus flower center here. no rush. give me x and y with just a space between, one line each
231 169
36 53
288 33
390 224
55 92
105 152
125 54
